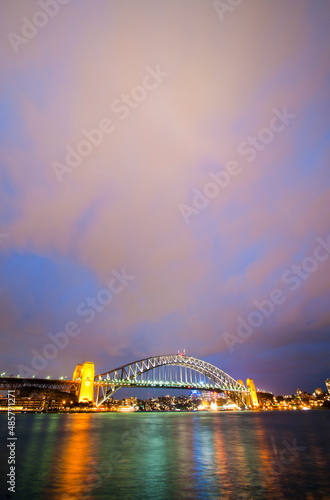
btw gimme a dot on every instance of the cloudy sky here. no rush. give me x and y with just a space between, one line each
164 181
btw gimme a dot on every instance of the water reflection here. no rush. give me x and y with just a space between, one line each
72 475
268 462
171 455
37 450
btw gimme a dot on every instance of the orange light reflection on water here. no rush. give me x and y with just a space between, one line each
75 478
268 459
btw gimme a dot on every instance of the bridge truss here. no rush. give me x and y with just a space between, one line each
169 371
13 383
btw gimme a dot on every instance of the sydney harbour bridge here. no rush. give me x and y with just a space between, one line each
175 371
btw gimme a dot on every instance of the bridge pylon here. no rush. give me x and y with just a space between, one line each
85 374
252 393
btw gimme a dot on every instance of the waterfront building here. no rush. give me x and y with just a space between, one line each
327 383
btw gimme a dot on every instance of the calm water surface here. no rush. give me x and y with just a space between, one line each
170 456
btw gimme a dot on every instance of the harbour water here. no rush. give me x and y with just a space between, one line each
202 455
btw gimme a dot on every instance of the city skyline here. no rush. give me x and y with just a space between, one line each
177 376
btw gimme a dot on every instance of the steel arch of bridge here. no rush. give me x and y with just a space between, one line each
187 373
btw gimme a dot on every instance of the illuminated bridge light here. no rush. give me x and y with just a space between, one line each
85 373
170 368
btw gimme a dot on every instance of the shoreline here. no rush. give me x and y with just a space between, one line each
77 411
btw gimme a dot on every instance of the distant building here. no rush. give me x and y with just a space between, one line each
25 403
265 398
327 383
195 395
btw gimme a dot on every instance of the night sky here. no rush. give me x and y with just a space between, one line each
165 186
